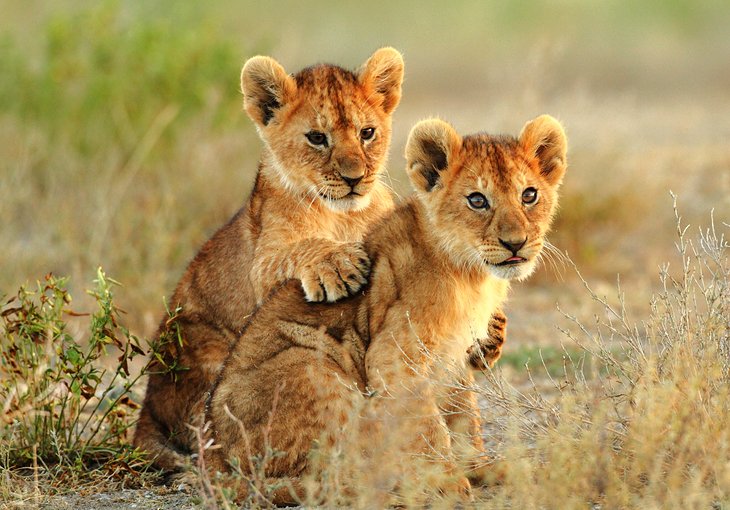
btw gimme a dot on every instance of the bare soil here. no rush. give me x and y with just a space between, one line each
160 498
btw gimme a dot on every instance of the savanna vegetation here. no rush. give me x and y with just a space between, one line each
123 146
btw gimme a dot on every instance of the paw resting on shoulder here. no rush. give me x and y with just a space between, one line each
336 274
486 351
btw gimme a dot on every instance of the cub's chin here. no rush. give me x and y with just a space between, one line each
348 203
518 271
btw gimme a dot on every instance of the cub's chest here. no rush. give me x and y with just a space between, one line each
471 309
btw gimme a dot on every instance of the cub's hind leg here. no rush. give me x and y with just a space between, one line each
150 438
175 398
284 406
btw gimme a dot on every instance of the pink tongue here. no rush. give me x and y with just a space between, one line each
513 258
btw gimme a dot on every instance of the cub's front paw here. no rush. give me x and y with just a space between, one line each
337 275
487 351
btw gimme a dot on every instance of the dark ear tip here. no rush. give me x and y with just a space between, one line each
265 86
428 151
544 137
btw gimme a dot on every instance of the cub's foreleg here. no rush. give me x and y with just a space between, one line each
401 374
329 270
487 351
463 417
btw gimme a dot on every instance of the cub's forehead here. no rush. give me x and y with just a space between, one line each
325 77
334 94
490 160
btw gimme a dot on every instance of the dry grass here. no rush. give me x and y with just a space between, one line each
639 416
646 424
124 145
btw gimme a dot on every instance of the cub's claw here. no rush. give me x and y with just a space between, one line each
487 351
337 275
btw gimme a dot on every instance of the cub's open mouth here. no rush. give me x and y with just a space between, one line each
512 261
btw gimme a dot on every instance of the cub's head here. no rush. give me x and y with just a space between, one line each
327 129
489 199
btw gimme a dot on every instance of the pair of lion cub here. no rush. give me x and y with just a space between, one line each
422 280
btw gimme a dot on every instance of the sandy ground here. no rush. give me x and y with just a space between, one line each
162 498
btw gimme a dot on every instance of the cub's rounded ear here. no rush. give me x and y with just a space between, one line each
383 72
431 146
544 138
266 87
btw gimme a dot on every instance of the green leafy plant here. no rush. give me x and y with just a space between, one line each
64 404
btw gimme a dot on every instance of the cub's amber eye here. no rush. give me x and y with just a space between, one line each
317 138
367 133
529 196
477 201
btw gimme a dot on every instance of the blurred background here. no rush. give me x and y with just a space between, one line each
123 143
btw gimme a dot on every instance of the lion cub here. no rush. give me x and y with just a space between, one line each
442 264
326 134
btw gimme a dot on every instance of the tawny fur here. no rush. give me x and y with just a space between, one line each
438 280
308 211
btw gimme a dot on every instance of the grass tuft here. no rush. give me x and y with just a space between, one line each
66 393
626 415
645 421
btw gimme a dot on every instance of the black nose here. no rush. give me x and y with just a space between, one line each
512 246
351 181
